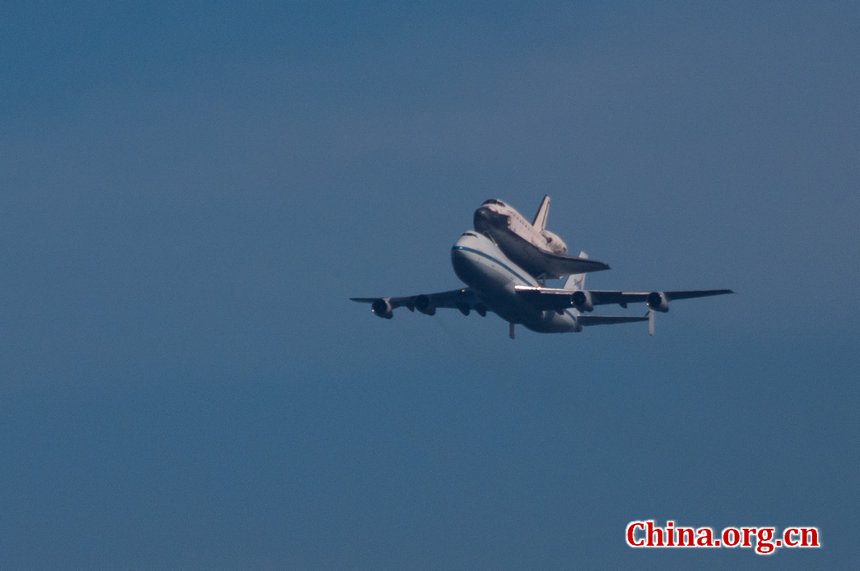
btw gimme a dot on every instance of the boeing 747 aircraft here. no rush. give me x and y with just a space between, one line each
498 284
534 248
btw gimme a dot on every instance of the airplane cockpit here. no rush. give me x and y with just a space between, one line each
494 201
486 235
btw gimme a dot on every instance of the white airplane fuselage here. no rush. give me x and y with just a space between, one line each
482 265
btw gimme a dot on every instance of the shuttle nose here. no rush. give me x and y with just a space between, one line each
484 218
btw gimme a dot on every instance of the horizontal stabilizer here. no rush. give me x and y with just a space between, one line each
588 320
689 294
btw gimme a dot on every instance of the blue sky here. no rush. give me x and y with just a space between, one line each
190 194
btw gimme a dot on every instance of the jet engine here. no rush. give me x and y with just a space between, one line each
582 300
424 305
382 308
553 243
658 301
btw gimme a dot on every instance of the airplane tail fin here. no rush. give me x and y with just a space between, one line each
576 281
543 211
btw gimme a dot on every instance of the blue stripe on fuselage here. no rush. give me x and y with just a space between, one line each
497 261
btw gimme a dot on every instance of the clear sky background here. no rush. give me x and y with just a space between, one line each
189 195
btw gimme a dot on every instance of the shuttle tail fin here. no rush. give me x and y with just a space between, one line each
576 281
543 211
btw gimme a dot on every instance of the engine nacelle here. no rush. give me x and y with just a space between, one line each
382 308
582 300
424 305
658 301
553 243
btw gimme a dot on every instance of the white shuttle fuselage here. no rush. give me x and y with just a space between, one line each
529 244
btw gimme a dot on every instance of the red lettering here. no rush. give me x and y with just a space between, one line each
706 537
765 540
809 532
654 532
631 537
763 544
686 537
731 537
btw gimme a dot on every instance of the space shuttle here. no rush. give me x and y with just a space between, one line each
529 244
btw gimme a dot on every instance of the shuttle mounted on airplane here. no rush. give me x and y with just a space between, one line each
500 284
534 248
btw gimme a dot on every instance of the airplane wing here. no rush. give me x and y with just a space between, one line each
559 299
463 299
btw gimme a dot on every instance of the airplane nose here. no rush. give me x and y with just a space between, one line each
461 263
